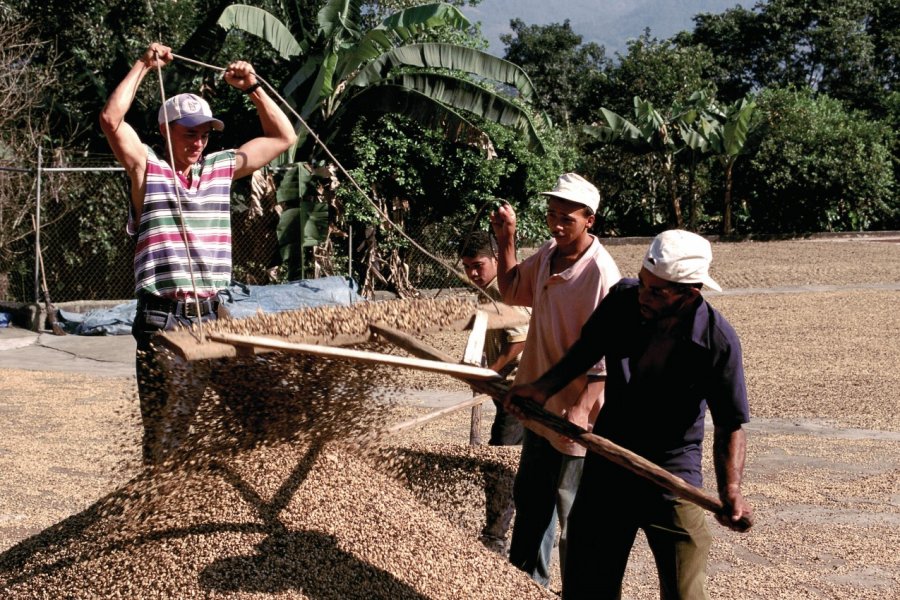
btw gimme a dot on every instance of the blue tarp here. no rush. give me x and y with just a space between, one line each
240 300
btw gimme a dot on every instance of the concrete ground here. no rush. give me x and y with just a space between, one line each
39 351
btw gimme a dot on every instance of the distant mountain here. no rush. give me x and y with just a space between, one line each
610 23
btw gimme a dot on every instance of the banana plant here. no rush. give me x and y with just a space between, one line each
345 73
727 130
704 128
693 129
651 133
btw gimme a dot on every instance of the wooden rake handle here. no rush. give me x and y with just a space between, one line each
466 372
497 388
627 459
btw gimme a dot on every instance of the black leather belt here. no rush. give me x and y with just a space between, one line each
179 308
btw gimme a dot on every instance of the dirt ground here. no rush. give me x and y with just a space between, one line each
820 327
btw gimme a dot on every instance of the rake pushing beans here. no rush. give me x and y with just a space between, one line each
283 486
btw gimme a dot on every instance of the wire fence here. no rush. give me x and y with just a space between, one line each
73 217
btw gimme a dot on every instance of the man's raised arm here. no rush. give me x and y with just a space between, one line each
278 133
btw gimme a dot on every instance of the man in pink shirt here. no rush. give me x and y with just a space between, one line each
563 282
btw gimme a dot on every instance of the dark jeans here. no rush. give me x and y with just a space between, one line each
611 505
154 378
544 491
506 430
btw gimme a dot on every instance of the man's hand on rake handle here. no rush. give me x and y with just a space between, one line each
521 400
736 513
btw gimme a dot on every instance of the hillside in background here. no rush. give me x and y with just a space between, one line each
610 23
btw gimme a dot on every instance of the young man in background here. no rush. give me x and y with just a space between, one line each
502 350
563 282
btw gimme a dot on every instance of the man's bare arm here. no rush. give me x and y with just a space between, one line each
278 133
507 354
122 138
729 452
503 222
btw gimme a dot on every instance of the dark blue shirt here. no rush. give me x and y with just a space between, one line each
658 389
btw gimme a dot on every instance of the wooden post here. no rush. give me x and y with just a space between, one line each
475 345
474 355
475 426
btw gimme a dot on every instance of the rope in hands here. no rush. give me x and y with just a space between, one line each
331 156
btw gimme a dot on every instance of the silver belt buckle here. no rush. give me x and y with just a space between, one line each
191 308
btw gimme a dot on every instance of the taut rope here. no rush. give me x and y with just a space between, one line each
184 233
347 174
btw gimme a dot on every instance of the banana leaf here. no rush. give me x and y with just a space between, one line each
300 227
294 183
451 57
264 25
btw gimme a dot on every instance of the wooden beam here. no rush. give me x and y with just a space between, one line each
423 419
409 343
465 372
188 345
495 389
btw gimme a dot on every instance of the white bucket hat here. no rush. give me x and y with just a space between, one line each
575 188
680 257
188 110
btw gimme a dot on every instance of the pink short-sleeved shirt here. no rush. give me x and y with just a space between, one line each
561 304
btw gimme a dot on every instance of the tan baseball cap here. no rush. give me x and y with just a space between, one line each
188 110
680 257
575 188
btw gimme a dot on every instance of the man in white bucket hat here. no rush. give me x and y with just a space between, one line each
669 355
563 282
178 196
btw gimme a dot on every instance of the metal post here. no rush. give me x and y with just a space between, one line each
350 251
37 229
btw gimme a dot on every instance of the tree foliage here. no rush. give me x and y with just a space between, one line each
24 127
819 167
348 72
823 158
659 71
847 49
652 133
440 190
565 70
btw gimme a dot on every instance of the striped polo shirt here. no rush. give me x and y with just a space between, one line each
160 257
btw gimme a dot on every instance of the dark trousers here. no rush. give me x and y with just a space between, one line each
544 490
154 377
506 430
610 507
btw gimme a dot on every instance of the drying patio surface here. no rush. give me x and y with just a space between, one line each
819 323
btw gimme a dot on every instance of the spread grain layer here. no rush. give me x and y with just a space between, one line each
335 321
275 501
295 520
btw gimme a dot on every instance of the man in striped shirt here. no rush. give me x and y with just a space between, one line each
180 214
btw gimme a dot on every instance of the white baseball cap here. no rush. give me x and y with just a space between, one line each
680 257
575 188
188 110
